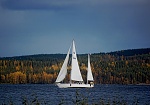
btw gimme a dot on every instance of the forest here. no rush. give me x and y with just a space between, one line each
120 67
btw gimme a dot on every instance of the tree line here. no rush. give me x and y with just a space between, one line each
120 67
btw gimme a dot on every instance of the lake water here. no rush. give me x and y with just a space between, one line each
52 95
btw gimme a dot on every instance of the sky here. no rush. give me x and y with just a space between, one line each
30 27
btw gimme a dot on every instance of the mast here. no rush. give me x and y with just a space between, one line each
71 64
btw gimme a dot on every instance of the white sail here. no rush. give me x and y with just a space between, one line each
75 72
63 71
89 72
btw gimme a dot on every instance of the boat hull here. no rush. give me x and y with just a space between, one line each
63 85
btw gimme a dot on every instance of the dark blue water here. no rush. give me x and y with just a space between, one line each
51 94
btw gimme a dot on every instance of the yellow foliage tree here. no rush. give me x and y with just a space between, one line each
17 77
54 67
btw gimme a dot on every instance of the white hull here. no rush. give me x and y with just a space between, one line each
67 85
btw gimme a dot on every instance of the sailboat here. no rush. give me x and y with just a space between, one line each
76 80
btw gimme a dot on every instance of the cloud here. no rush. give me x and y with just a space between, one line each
40 4
64 4
106 24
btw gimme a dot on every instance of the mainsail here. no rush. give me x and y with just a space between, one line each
75 72
89 72
63 71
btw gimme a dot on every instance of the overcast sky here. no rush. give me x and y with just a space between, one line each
48 26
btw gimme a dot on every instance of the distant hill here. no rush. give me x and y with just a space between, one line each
120 67
129 52
36 57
